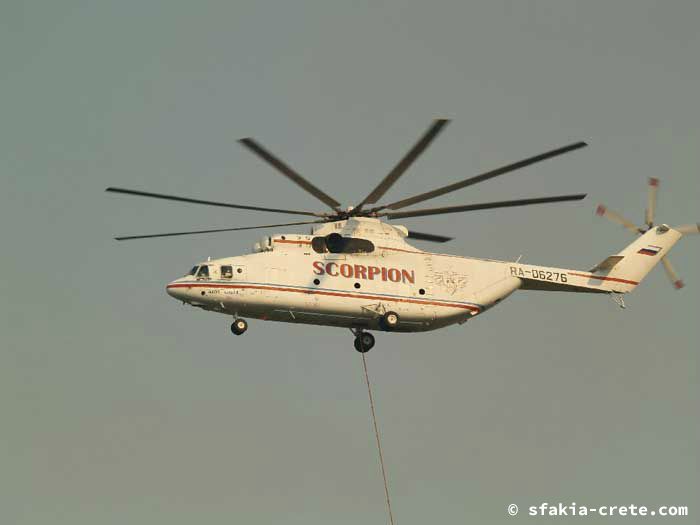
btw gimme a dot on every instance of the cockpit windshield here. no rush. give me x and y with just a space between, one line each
203 272
192 271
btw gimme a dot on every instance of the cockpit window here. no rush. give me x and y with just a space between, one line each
336 243
192 271
226 272
203 272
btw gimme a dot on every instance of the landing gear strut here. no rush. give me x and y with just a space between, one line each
239 326
364 341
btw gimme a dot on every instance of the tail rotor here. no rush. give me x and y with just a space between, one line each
651 202
689 229
603 211
649 216
671 273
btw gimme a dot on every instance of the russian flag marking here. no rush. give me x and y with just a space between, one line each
650 250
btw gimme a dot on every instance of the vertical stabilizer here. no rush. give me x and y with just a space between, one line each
643 254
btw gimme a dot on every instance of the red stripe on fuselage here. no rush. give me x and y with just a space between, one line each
600 277
323 292
291 241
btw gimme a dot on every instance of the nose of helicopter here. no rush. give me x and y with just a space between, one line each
175 291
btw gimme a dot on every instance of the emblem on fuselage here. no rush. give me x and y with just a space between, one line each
360 271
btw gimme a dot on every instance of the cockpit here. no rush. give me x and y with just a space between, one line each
214 271
200 272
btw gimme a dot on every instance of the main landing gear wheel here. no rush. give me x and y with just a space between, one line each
364 341
239 326
390 320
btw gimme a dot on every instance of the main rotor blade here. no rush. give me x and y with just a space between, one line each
651 202
404 163
603 211
484 176
288 172
150 236
483 206
428 237
688 229
208 203
672 275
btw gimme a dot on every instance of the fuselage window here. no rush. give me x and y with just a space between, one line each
226 272
203 272
335 243
192 271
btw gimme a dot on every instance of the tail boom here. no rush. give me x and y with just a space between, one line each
620 273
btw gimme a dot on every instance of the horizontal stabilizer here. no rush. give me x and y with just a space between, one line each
607 264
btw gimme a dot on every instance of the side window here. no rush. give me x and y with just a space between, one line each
203 272
226 272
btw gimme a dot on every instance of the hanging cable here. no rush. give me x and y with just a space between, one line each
379 444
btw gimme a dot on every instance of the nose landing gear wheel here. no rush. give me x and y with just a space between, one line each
390 320
239 326
364 341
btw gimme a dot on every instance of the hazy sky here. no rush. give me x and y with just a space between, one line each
119 405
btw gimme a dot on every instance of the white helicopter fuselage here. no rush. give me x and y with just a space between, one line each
294 278
291 282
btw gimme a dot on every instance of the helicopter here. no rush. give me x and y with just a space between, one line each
356 270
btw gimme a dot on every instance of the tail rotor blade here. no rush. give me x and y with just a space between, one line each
603 211
672 275
688 229
651 201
